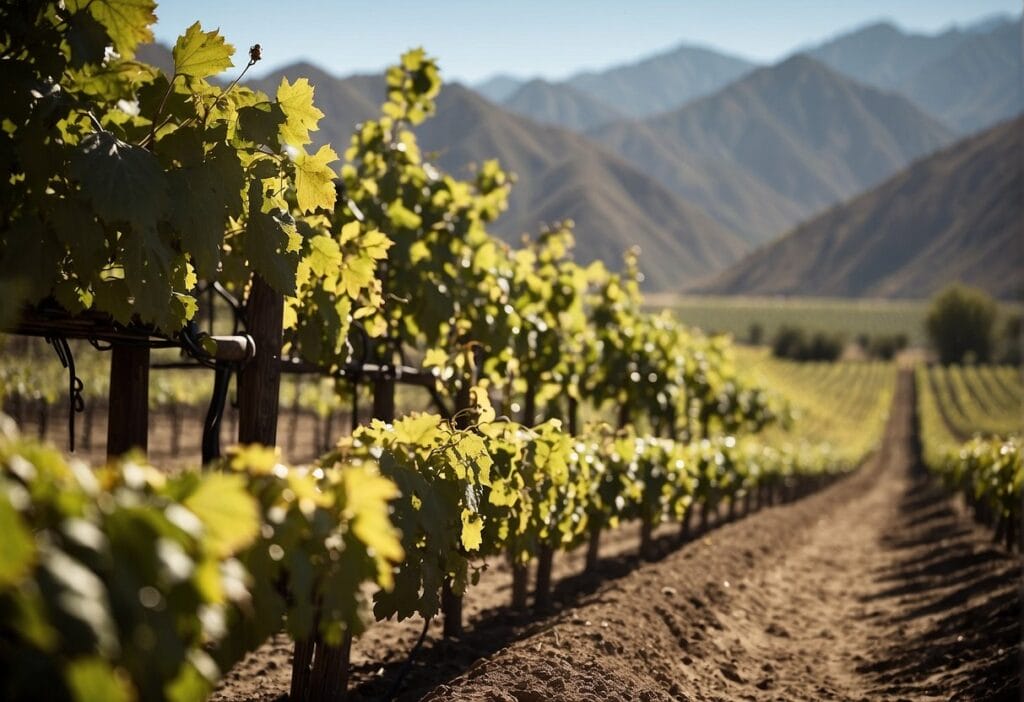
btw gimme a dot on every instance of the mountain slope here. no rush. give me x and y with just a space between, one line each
883 55
662 82
499 87
956 215
560 105
561 175
979 83
778 144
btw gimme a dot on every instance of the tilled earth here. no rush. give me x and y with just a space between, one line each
878 587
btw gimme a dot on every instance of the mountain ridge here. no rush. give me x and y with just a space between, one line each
955 215
778 144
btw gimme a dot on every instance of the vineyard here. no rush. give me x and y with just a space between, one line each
465 425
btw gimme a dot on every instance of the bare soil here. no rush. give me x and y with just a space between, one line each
877 587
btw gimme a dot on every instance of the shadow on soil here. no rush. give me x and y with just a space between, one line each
441 660
975 583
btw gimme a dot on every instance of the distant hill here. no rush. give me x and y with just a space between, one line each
662 82
883 55
968 79
560 105
980 82
561 175
498 88
778 145
156 55
585 100
955 216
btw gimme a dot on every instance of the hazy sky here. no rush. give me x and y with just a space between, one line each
474 39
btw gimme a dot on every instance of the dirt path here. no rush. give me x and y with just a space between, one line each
876 588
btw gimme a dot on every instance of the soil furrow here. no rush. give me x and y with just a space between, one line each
875 588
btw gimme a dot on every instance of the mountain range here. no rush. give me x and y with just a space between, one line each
955 216
699 157
778 145
968 77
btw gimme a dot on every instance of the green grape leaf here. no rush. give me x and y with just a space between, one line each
204 196
94 679
76 227
127 21
200 54
87 39
17 548
147 259
230 516
324 255
125 183
261 122
296 99
114 298
314 179
271 244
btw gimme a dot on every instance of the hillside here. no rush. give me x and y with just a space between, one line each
662 82
560 105
954 216
561 175
778 145
968 79
498 88
977 84
883 55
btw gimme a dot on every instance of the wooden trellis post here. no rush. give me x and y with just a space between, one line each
128 406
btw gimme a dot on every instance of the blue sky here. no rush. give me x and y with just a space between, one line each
549 38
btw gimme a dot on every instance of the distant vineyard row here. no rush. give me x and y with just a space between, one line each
971 428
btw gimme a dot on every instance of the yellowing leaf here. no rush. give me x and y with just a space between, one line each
417 428
366 496
402 216
349 231
200 54
254 458
375 244
480 398
435 358
419 251
314 179
296 99
324 255
358 275
291 315
127 21
472 530
230 516
501 495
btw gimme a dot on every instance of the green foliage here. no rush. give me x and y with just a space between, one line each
125 583
960 324
125 184
795 344
883 346
988 466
